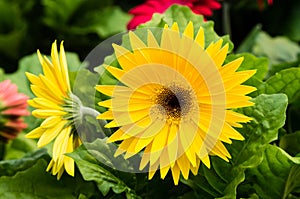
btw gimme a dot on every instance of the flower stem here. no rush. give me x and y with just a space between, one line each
226 18
88 111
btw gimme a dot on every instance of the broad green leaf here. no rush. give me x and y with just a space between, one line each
33 181
182 15
286 81
92 170
11 167
223 178
278 49
282 52
268 116
291 143
277 176
278 67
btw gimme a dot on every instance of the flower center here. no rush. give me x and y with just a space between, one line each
174 101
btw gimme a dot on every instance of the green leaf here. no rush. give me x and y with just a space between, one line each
291 143
278 49
91 170
223 178
11 167
278 67
277 176
27 178
182 15
286 81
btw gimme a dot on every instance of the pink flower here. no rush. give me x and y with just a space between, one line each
143 13
13 106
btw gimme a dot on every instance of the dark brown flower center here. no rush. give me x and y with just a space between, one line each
174 101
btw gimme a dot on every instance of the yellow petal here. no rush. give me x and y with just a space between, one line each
213 48
60 145
176 174
69 162
164 171
108 115
220 56
200 38
206 161
172 144
45 104
50 134
151 41
175 27
152 169
35 133
125 57
50 165
159 142
184 165
189 30
64 65
50 122
39 113
135 41
231 67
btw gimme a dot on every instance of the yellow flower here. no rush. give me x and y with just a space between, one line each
174 101
54 102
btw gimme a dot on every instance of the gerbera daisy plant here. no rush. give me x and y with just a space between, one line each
60 109
175 100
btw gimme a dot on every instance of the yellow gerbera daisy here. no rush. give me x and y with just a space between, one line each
174 101
54 102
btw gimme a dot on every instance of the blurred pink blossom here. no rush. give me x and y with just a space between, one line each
13 105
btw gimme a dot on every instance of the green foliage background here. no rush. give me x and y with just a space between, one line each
265 165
